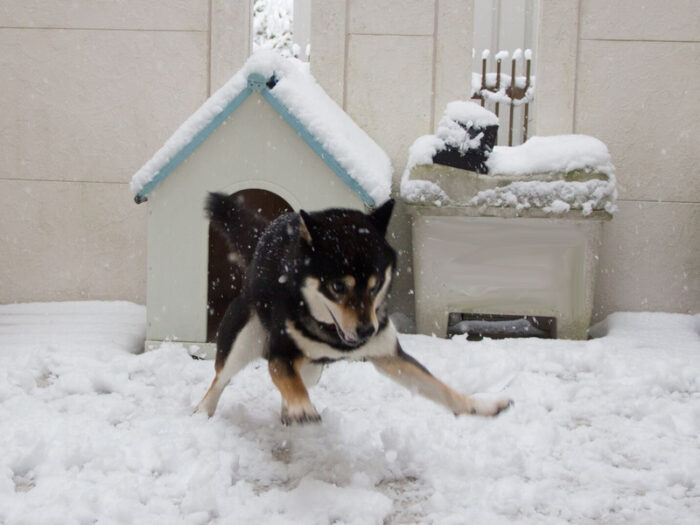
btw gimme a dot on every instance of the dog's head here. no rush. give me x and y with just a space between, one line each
348 267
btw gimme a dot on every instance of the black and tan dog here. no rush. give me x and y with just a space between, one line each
315 292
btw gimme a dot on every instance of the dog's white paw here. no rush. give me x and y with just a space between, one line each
484 407
299 414
204 408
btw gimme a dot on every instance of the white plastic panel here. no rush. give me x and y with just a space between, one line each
486 265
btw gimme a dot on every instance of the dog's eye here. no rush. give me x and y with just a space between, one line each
374 284
338 287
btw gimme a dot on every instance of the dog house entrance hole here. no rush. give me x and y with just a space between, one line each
225 275
495 326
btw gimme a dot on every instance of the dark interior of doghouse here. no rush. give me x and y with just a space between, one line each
225 273
496 326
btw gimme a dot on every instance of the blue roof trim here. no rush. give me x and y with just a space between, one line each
316 146
256 82
192 145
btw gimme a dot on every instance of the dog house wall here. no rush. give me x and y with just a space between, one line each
252 148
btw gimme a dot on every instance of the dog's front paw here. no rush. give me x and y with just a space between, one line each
495 407
484 407
299 414
204 407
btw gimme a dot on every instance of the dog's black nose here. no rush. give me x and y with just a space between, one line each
365 331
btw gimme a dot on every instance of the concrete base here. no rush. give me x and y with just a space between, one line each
533 265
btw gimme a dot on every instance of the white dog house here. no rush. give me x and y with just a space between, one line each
270 136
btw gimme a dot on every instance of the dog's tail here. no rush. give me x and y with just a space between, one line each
241 227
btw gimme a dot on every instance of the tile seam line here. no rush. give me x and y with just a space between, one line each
656 201
210 47
346 54
17 179
123 29
651 40
577 62
433 69
430 35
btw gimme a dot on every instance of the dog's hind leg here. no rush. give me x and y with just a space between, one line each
240 340
408 372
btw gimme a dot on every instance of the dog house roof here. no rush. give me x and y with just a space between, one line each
289 88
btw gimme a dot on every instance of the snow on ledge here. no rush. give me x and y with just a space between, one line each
555 154
422 151
355 151
554 197
561 154
558 153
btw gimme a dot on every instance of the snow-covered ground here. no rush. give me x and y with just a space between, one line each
604 431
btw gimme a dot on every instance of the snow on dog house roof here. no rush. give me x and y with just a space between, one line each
290 89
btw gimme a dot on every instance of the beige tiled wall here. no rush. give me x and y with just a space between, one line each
328 32
637 86
555 66
381 86
650 259
92 105
154 15
675 20
388 17
646 113
66 240
90 90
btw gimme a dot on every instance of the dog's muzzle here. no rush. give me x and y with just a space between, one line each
363 333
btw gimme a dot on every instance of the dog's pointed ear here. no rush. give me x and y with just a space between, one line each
304 223
381 216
